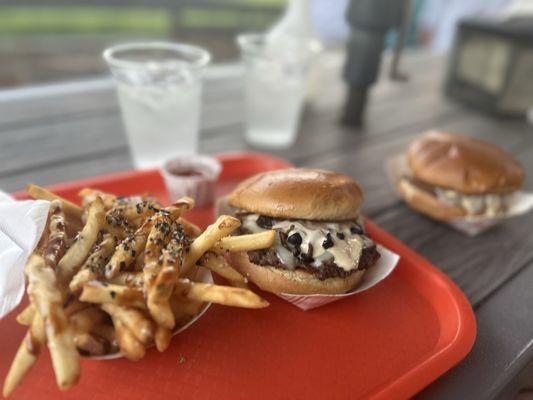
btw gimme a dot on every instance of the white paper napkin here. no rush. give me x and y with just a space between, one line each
21 226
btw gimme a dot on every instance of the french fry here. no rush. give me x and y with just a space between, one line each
130 347
107 332
47 298
180 206
83 276
254 241
161 290
89 344
157 240
184 309
226 295
223 226
75 306
127 250
110 200
190 229
220 266
88 195
131 279
69 208
26 356
26 316
100 293
242 285
79 251
56 244
43 240
93 268
138 265
162 338
141 327
131 214
84 320
117 231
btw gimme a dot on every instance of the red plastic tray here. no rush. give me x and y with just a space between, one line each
386 343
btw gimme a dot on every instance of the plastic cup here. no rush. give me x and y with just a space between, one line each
159 89
275 85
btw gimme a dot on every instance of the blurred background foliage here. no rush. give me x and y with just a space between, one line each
42 43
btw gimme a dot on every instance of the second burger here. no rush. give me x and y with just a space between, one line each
321 246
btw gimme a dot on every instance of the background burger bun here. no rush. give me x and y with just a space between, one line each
277 280
463 164
424 202
299 193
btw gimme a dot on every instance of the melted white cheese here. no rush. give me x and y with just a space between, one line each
345 252
489 204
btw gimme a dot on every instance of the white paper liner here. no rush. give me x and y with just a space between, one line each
519 203
375 274
205 277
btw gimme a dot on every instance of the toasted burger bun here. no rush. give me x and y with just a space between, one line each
463 164
424 202
277 280
300 193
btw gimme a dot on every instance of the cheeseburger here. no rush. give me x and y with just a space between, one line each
320 246
454 176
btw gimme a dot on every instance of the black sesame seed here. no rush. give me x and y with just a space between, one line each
122 265
355 229
295 239
340 235
328 242
113 294
264 222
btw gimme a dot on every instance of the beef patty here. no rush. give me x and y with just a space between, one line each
268 257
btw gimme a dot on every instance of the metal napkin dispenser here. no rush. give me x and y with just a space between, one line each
491 65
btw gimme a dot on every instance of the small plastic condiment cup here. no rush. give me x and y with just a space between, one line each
193 176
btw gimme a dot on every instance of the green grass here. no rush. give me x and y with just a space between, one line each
280 3
82 20
199 18
85 20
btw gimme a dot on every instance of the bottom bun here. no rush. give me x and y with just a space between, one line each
426 203
278 280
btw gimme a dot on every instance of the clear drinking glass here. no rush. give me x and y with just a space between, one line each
275 83
159 89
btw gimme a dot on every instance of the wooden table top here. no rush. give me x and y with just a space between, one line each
69 131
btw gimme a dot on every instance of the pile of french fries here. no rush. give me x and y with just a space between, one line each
121 274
